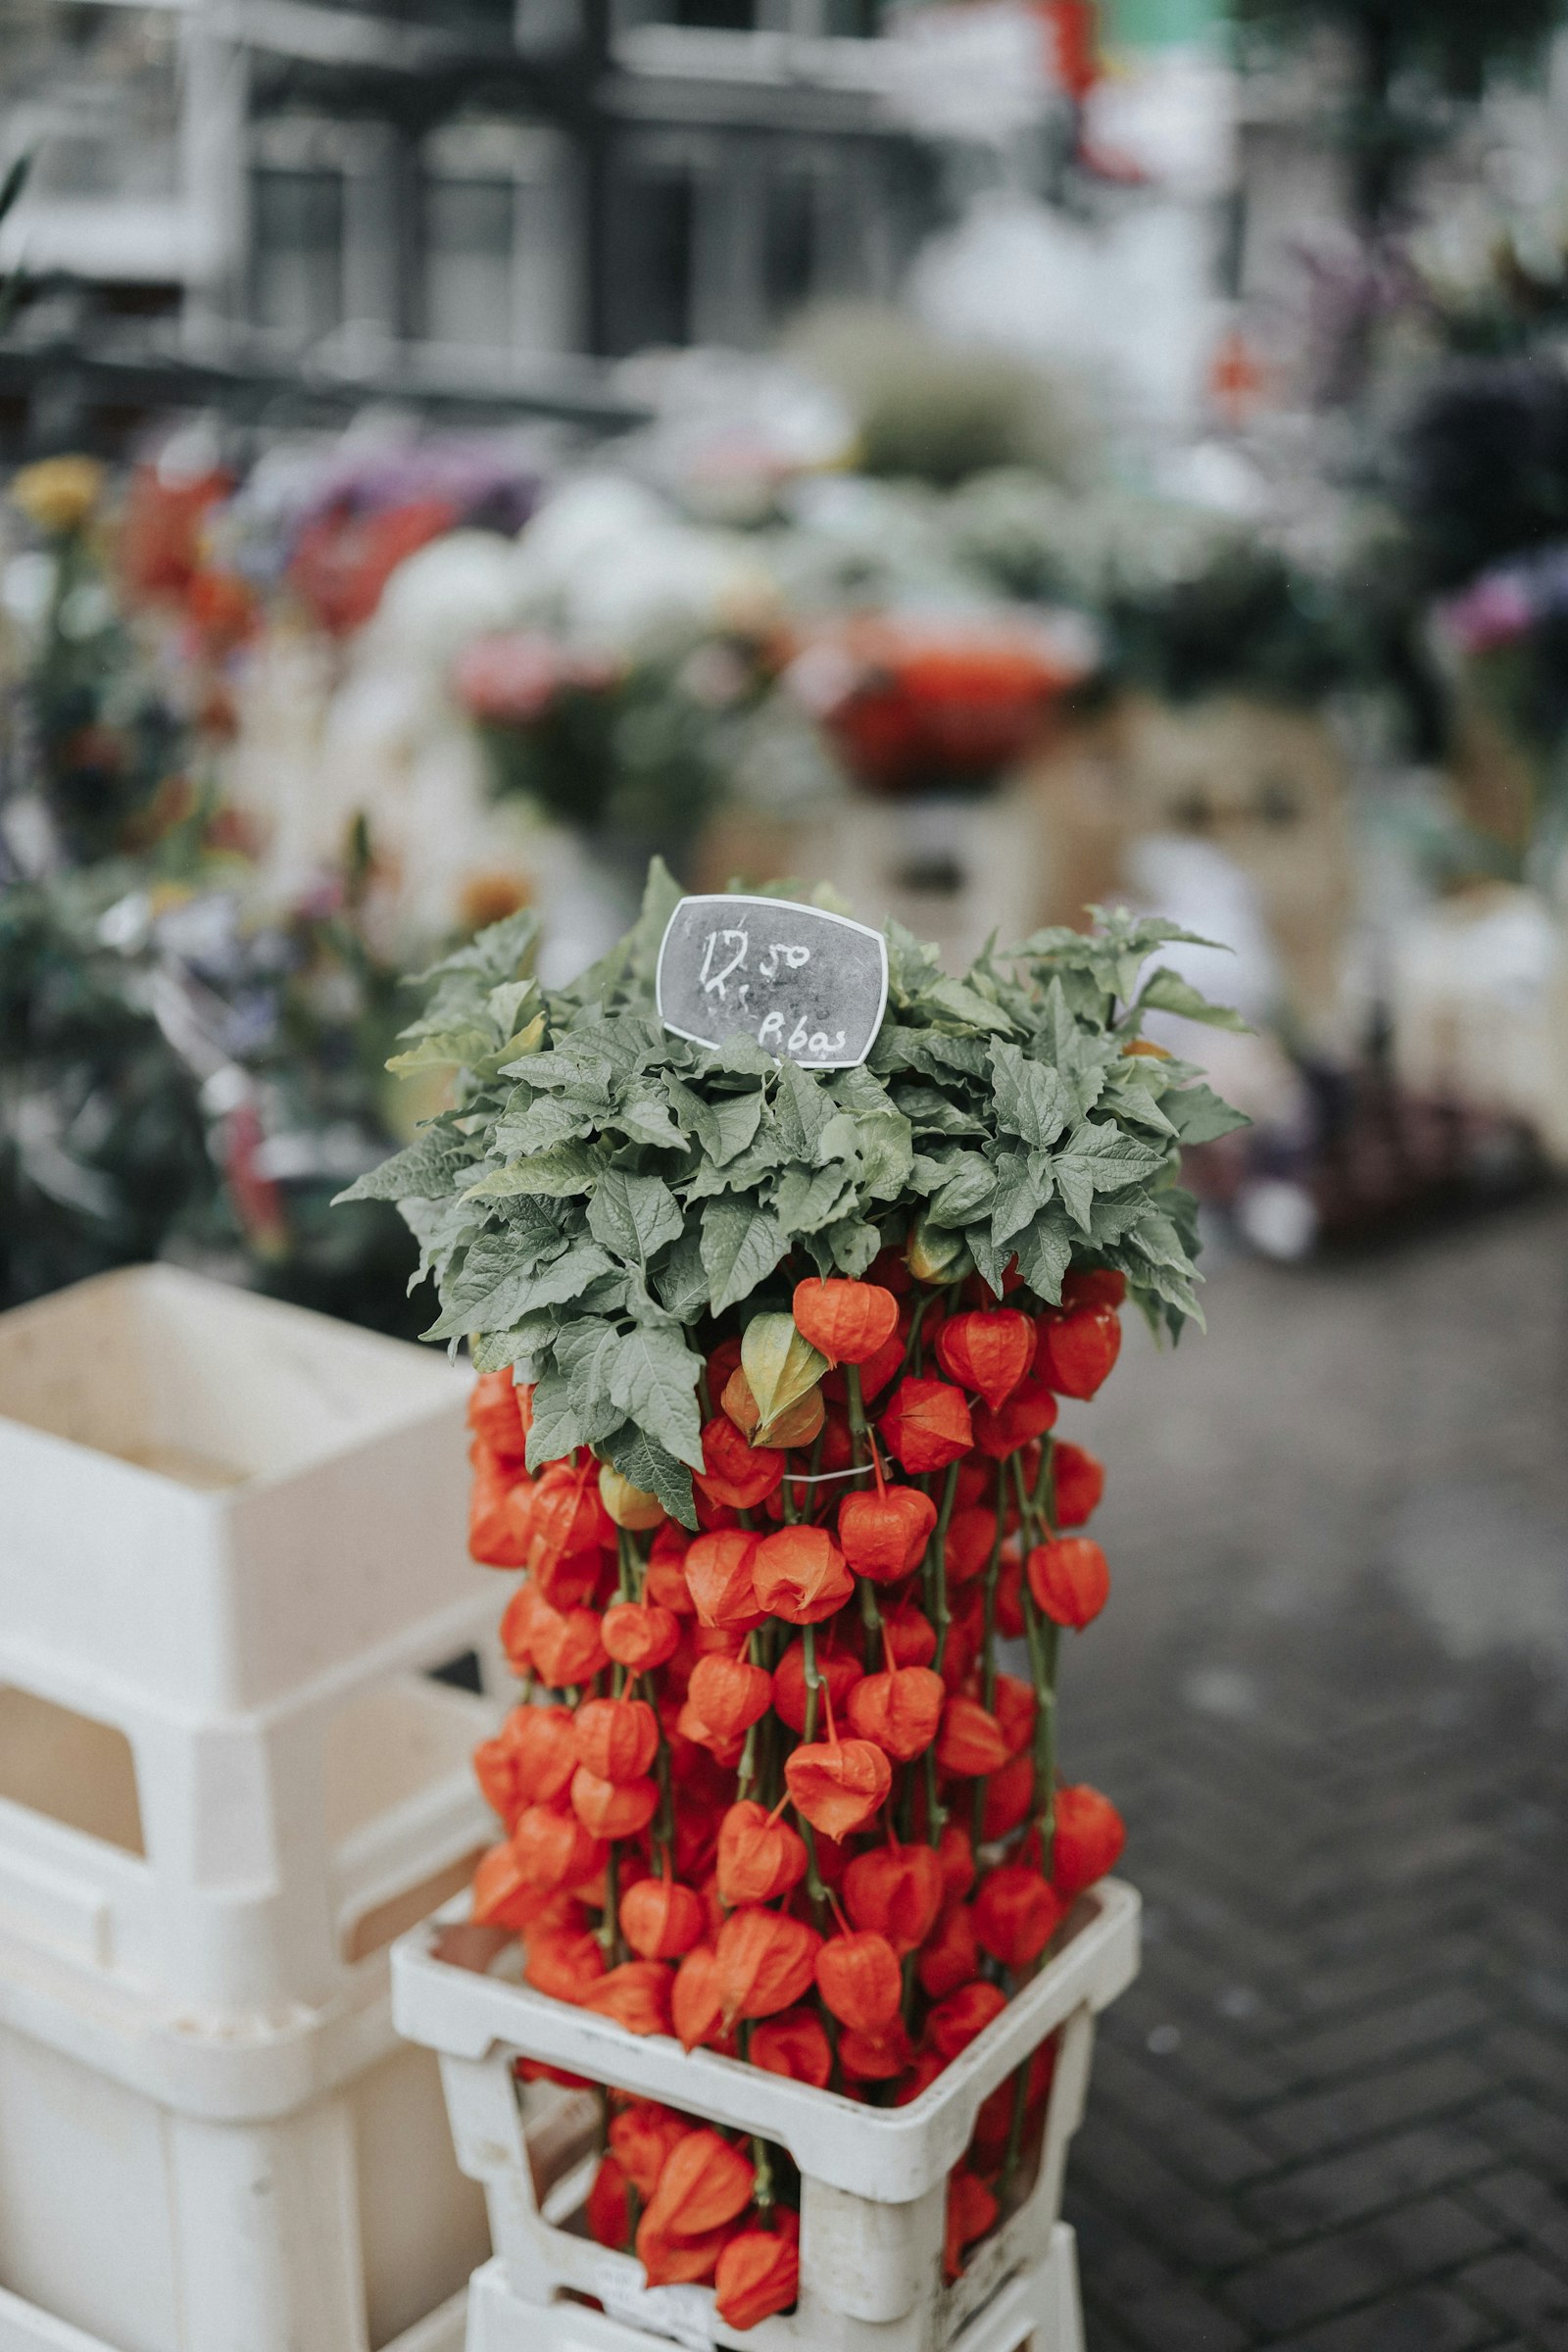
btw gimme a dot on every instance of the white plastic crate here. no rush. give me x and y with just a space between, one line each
289 2189
873 2180
231 1535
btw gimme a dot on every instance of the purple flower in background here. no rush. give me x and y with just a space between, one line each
481 485
1503 605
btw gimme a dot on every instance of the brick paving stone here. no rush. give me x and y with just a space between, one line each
1377 2102
1181 2318
1432 2321
1347 2188
1332 2113
1517 2287
1334 2273
1529 2207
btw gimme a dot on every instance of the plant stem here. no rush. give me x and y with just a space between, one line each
609 1924
813 1683
988 1662
762 2190
936 1567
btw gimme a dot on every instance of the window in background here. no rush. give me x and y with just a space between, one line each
497 237
297 252
651 244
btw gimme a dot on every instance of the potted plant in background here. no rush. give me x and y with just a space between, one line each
773 1359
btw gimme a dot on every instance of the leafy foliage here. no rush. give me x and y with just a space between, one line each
603 1188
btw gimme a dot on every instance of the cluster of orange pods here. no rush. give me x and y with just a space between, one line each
770 1790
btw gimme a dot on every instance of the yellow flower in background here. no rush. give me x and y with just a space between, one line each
58 494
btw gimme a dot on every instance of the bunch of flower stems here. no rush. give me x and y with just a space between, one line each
773 1787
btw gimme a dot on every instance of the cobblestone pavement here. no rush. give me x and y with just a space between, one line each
1331 1696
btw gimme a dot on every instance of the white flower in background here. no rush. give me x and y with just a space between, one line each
442 597
618 571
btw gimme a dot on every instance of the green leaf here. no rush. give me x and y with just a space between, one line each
720 1129
741 1245
634 1216
802 1110
1166 991
681 1282
1023 1187
1098 1160
645 1119
854 1245
558 1174
1032 1100
1044 1251
808 1198
649 1465
549 1120
557 1428
966 1005
450 1048
653 1379
1198 1116
966 1192
423 1170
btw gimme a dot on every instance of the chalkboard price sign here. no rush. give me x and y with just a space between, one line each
808 987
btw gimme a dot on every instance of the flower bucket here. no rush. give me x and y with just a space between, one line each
873 2181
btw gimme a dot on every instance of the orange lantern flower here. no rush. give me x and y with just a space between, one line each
899 1710
553 1850
697 2002
757 2274
720 1577
495 1538
735 1472
1090 1835
617 1739
870 2058
990 1351
970 1741
661 1918
1069 1579
909 1635
800 1576
566 1513
1078 1483
1027 1414
568 1580
1017 1913
565 1645
858 1976
642 2137
669 2261
972 2210
530 1760
501 1896
884 1535
761 1858
839 1672
898 1890
920 2076
608 2210
640 1634
724 1697
956 2020
1012 1702
495 1416
765 1961
845 1321
956 1854
966 1554
563 1962
1076 1350
795 2043
705 2181
926 1424
1010 1797
635 1995
952 1957
612 1809
837 1784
